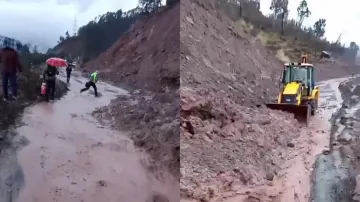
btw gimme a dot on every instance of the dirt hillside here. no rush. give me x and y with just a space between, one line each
228 137
71 47
146 61
334 69
146 56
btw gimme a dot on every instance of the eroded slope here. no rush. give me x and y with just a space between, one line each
228 138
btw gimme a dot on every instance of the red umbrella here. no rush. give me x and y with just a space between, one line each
56 62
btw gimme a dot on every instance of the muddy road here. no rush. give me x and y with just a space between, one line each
67 156
324 174
336 170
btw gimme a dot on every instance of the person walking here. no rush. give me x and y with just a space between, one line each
10 67
91 83
49 76
68 72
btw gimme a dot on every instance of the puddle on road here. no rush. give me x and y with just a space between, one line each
72 158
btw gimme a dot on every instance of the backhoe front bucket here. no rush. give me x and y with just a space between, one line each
301 112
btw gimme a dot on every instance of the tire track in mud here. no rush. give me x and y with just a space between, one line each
333 176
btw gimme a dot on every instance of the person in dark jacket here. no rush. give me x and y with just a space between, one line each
10 67
68 72
49 77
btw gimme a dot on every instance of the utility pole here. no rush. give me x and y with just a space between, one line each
75 26
338 40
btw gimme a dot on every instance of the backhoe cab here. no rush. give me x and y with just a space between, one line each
298 93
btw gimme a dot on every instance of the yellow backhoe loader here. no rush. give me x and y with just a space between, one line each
298 93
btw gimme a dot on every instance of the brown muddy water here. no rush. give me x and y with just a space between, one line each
336 171
70 157
327 172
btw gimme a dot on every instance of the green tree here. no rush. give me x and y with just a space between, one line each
172 2
280 9
35 50
25 49
149 5
49 51
241 7
61 39
303 12
67 35
275 7
284 14
319 27
354 48
101 33
353 45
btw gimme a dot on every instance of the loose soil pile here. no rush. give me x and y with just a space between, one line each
146 61
229 140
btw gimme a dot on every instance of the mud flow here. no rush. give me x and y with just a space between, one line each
336 171
71 158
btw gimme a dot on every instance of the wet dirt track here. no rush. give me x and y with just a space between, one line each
324 174
334 176
295 180
71 158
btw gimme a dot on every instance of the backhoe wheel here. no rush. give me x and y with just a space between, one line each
314 107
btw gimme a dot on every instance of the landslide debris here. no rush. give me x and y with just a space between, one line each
229 140
145 60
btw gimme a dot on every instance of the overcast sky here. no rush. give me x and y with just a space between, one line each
341 17
41 22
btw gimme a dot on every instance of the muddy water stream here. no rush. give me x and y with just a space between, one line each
295 178
334 174
324 173
71 158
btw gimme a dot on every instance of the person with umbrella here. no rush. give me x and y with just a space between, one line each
91 83
49 76
10 64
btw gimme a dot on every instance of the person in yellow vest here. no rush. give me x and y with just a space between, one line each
92 83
